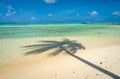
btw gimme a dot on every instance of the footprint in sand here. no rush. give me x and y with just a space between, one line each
97 74
73 72
105 57
100 62
56 75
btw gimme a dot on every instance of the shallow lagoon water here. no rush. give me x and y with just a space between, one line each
54 30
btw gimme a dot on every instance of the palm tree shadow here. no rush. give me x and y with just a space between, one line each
68 46
59 45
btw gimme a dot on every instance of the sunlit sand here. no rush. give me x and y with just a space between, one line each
103 52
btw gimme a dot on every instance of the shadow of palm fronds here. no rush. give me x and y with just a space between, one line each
66 44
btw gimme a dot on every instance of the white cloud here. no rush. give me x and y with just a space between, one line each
116 13
93 13
50 14
33 18
10 10
50 1
10 13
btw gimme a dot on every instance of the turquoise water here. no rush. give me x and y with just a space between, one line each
53 30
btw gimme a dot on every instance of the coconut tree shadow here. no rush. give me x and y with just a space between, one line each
61 46
68 46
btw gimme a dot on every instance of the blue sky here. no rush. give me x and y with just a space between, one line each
59 10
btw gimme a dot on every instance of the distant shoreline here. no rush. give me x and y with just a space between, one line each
44 23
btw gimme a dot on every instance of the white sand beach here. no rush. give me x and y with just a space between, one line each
101 52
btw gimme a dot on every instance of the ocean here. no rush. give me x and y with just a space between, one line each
54 30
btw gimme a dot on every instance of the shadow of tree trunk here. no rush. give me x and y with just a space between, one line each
114 76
